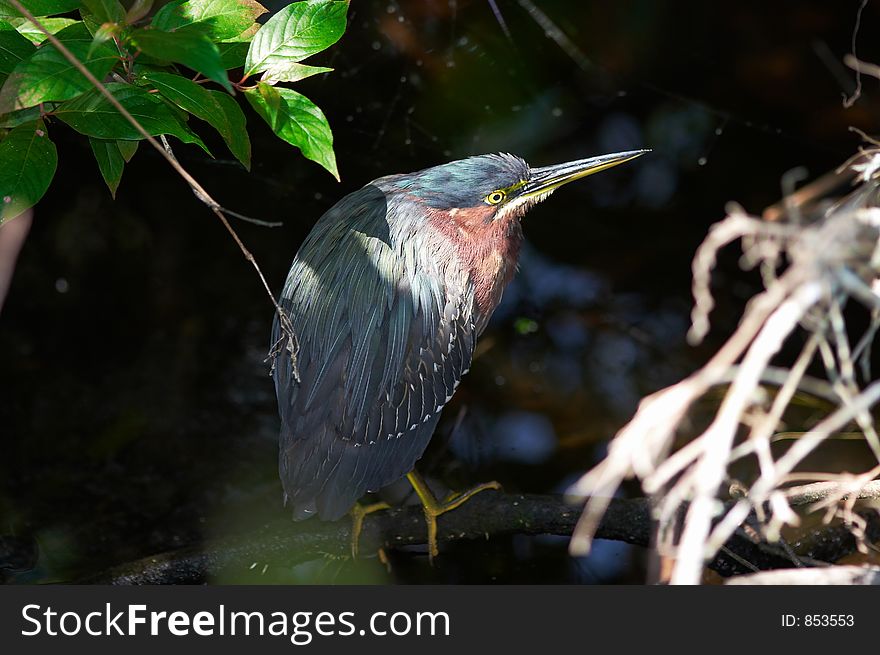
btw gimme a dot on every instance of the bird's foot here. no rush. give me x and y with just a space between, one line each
434 508
358 514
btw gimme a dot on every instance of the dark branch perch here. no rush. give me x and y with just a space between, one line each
487 514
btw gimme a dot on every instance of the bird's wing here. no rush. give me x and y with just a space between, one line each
383 345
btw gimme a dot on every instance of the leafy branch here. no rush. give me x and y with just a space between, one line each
144 94
118 77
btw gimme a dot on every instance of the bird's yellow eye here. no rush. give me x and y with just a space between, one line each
495 197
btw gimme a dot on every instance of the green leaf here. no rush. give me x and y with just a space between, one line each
128 148
13 48
141 66
297 31
47 75
238 141
210 107
217 19
102 35
272 99
110 162
16 118
297 120
292 72
93 115
245 37
106 11
27 164
186 94
38 7
91 21
189 48
234 51
164 14
34 34
232 54
138 10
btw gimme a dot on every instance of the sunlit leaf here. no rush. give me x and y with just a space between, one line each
48 76
93 115
292 72
190 48
233 51
27 164
296 32
110 162
245 37
38 7
297 120
218 19
34 34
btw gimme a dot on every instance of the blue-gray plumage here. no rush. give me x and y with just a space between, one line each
387 296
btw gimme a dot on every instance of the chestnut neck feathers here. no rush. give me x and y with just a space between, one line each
461 223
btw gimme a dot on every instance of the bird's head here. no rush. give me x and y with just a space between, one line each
490 187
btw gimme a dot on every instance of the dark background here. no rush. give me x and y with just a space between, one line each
137 415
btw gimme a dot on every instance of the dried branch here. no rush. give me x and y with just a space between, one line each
812 264
832 575
821 491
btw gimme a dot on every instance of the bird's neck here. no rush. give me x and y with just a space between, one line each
487 249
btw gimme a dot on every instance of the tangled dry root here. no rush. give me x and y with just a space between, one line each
812 264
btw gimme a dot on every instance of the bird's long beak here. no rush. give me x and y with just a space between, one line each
547 178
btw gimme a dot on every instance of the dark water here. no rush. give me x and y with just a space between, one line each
136 413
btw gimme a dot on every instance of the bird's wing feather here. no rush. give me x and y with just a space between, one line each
383 346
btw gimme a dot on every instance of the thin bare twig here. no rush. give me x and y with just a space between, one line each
850 101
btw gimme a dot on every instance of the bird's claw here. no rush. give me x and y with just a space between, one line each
434 508
358 514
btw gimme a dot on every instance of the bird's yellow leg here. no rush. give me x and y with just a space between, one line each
434 508
358 514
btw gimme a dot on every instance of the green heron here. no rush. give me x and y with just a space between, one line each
387 297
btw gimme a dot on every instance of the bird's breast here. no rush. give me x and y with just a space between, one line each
488 251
